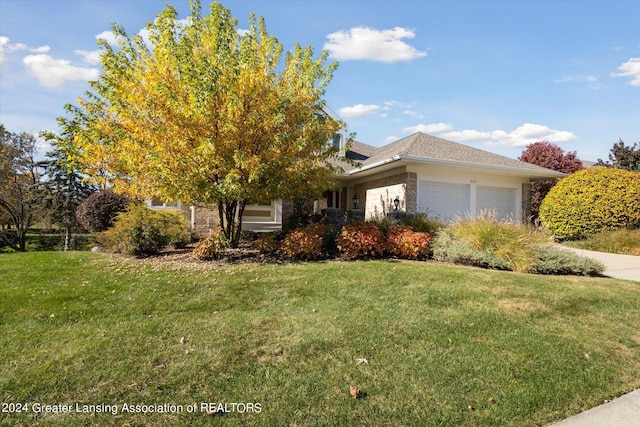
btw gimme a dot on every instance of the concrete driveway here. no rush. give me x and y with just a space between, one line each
618 266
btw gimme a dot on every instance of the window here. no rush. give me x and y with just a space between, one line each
337 140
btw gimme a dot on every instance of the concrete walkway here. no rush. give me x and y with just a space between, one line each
621 412
625 410
618 266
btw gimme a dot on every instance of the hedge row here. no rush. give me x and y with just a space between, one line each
353 241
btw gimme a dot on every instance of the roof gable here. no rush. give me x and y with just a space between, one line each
427 148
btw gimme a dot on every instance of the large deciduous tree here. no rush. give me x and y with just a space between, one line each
622 156
551 156
210 115
19 184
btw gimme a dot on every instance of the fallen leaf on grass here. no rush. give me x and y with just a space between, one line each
355 392
491 401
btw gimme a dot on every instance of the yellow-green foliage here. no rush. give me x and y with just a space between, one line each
142 231
592 200
515 244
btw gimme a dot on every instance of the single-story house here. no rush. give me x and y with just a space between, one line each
424 173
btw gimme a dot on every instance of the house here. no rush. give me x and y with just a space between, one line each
442 178
424 173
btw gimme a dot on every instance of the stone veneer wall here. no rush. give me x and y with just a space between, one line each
526 202
408 178
200 226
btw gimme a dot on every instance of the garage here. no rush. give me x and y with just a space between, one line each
443 201
502 201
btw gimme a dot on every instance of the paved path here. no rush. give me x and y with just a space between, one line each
625 410
621 412
618 266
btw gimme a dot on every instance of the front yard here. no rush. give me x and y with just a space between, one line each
426 343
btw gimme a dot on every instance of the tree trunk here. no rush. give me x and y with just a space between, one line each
230 227
67 238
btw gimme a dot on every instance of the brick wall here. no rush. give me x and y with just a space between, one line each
409 179
201 224
526 202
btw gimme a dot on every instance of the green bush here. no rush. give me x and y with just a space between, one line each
590 201
406 243
211 247
552 260
305 243
515 244
360 239
143 231
422 223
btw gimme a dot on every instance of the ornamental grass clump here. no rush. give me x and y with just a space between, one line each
514 244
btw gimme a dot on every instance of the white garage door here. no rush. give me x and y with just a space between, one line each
443 201
501 201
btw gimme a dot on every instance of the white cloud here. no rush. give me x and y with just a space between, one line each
373 45
592 81
3 41
5 46
631 68
91 57
413 114
522 136
430 128
390 139
358 110
109 37
53 72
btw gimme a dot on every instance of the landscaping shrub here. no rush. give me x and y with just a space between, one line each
267 243
422 223
406 243
590 201
143 231
552 260
360 239
515 244
211 247
305 243
97 212
448 248
330 241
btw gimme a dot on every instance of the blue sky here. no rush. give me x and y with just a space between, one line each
495 75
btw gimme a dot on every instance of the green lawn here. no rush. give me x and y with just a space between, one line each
445 345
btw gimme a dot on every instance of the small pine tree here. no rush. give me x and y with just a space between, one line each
63 192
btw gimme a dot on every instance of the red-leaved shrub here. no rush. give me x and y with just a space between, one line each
406 243
266 243
304 243
361 240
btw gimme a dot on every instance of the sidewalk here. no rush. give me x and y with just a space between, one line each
621 412
618 266
625 410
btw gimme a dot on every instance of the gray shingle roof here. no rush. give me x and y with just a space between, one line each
420 146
